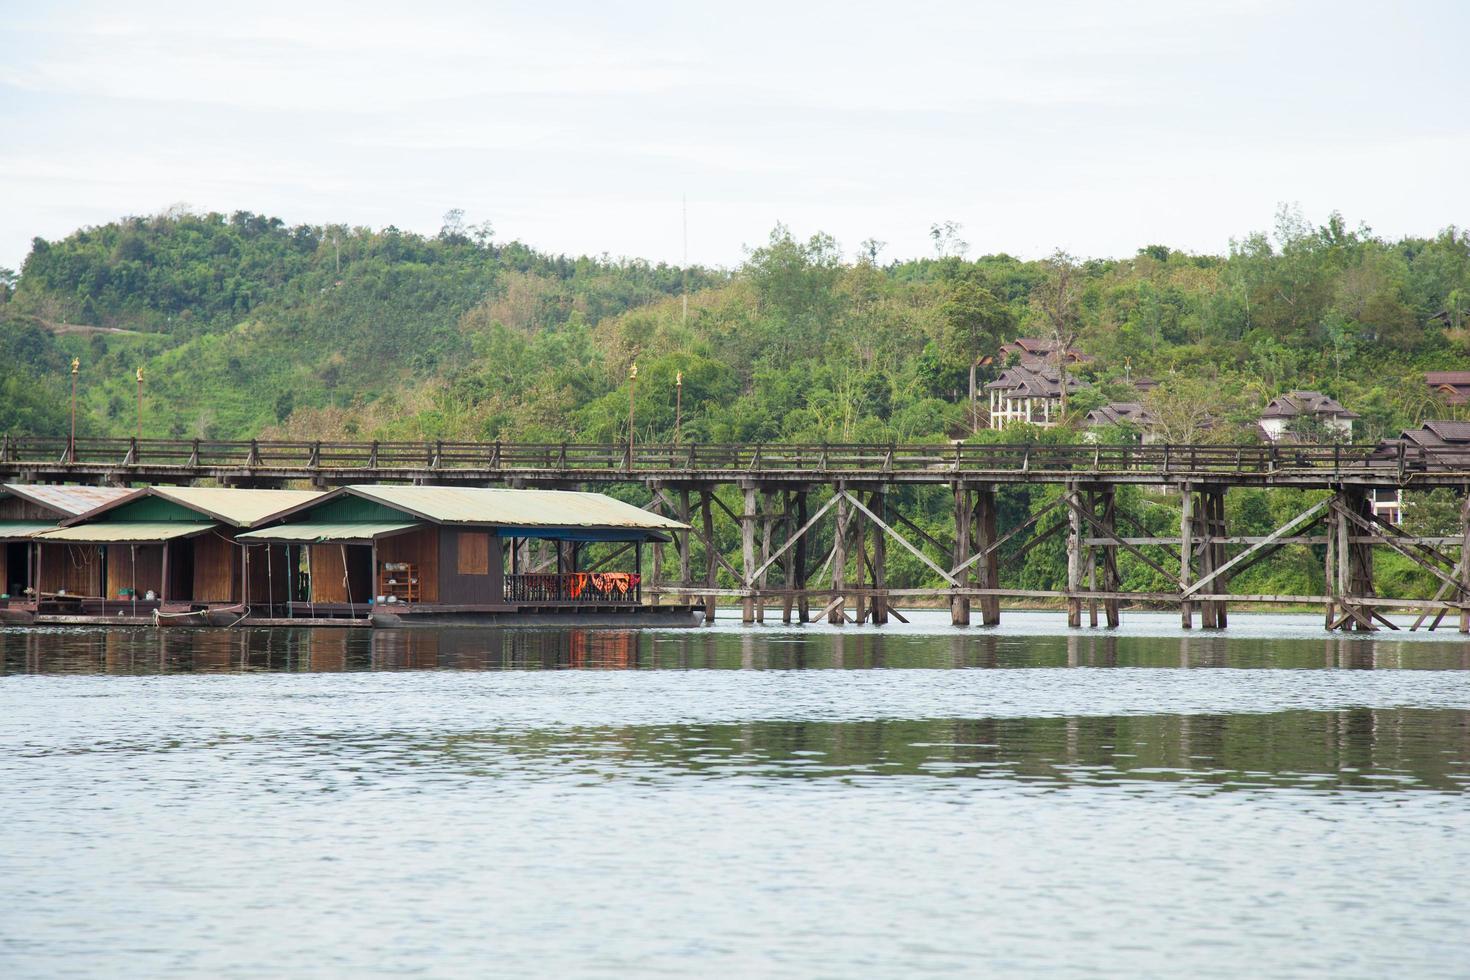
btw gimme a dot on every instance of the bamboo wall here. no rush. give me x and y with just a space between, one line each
328 583
123 574
216 569
77 568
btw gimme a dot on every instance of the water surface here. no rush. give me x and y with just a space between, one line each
778 801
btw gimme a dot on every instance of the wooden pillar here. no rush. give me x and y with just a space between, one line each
1344 561
1464 565
163 583
1074 558
710 562
682 537
656 573
1360 564
1221 554
1186 551
837 615
799 561
959 606
860 551
1089 560
1329 571
877 503
767 518
985 573
1112 581
787 579
1204 535
747 554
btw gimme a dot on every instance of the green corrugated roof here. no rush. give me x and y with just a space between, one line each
14 530
122 532
313 532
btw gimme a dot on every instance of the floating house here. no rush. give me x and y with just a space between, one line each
462 555
27 510
164 550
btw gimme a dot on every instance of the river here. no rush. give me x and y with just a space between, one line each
777 801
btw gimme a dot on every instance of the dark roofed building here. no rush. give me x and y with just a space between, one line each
1029 393
1437 444
1452 386
1032 349
1285 409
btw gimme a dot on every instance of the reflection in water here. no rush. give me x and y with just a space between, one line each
750 802
149 651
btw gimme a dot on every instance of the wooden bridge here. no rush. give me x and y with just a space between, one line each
778 484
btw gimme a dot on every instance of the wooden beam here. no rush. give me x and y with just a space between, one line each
1311 513
902 540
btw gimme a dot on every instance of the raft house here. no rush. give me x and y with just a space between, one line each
410 555
162 555
27 510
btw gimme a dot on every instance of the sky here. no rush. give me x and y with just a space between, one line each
584 128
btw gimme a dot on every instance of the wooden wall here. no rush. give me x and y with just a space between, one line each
270 573
77 568
216 570
121 573
327 583
470 567
421 547
16 509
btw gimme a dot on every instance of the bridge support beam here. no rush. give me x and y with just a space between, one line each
748 518
959 605
836 615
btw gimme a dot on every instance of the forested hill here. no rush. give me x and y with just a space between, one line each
247 326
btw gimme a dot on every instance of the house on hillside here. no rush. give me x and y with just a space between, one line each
1027 350
1121 413
1029 394
1451 386
1297 411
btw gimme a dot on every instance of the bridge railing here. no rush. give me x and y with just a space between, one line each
713 457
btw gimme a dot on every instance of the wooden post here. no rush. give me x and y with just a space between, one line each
836 615
747 554
682 537
876 504
788 580
1464 565
163 584
959 606
1186 550
860 551
1089 561
1344 561
709 559
799 561
1074 558
986 571
767 518
1111 580
656 573
1329 574
1204 534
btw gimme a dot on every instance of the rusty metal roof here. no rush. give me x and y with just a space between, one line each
519 508
68 499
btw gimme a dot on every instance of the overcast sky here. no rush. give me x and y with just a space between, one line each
577 127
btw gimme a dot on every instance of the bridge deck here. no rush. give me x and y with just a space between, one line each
177 460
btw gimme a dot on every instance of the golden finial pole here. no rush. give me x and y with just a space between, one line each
632 387
140 404
678 404
71 443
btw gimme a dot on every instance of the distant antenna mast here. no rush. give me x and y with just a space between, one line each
684 199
